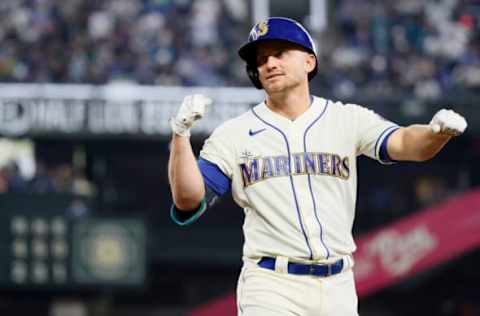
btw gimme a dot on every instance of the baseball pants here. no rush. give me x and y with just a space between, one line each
263 292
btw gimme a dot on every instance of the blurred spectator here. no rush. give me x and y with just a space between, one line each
16 183
62 176
3 181
430 190
17 164
81 185
42 181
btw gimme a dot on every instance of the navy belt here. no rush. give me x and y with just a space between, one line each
323 270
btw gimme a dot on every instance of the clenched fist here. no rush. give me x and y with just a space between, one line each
192 109
448 122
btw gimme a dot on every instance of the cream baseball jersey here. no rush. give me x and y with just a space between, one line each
296 180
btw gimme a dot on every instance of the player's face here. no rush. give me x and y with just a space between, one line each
282 65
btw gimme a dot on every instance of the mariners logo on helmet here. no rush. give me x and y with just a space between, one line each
259 30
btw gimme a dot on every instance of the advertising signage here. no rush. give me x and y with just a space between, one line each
117 110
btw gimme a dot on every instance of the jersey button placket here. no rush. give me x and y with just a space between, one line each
295 139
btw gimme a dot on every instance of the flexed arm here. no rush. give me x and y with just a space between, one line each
186 181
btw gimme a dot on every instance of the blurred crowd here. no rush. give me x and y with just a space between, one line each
167 42
54 179
416 46
422 47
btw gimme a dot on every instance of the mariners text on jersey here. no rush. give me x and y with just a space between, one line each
256 169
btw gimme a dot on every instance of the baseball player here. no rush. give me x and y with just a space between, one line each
290 163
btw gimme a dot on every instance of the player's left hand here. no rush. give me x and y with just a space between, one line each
448 122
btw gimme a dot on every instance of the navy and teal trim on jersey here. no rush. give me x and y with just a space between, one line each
382 152
185 218
290 177
310 181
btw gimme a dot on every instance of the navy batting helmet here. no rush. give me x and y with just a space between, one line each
275 28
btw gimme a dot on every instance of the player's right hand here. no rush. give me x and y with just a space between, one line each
192 109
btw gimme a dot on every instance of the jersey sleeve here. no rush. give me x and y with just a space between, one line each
218 150
372 133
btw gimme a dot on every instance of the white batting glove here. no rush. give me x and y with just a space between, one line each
192 109
448 122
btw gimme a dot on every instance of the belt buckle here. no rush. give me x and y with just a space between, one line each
311 269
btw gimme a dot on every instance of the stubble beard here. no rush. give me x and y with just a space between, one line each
282 87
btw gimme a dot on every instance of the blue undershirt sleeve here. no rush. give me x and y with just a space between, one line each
214 178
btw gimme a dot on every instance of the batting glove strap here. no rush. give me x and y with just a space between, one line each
179 128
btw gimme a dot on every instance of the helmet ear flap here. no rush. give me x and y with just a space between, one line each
252 73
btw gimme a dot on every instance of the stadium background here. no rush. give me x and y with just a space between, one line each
86 90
